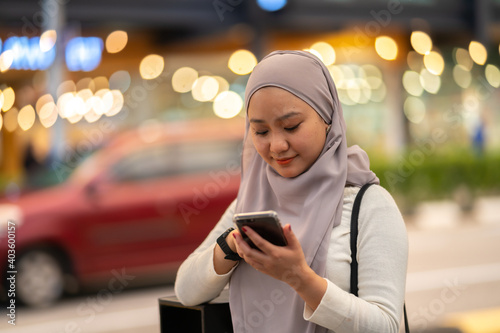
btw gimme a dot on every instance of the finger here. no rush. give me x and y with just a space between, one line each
292 240
260 242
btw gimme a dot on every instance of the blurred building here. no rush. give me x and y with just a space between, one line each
73 72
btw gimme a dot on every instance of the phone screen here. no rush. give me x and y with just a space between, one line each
266 224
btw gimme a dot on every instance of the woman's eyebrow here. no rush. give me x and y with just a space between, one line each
283 117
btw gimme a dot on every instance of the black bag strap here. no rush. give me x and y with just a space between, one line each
354 247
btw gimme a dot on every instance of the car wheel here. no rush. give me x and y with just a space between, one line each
40 279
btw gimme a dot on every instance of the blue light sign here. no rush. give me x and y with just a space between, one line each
84 53
271 5
27 54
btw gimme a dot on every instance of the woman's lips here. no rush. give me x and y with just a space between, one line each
284 161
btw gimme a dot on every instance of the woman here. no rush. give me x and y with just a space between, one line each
296 162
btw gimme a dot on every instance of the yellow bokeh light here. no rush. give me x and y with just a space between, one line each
462 57
242 62
462 76
326 51
116 41
48 40
26 117
421 42
492 75
227 104
411 83
223 84
415 61
478 52
100 82
66 87
434 63
117 103
2 99
386 48
205 89
9 97
1 121
48 114
414 109
183 79
6 59
430 82
10 120
47 98
151 66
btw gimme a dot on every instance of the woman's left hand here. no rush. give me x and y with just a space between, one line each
285 263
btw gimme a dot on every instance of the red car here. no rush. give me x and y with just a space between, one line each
133 210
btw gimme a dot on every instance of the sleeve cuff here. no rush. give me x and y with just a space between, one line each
332 310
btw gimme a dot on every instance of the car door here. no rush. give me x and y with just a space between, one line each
157 204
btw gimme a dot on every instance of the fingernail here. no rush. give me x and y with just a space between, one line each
244 229
234 235
289 227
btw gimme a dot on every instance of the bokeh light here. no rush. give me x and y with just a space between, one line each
326 52
411 83
205 88
227 104
1 121
478 52
48 114
430 82
462 76
492 74
386 48
9 97
421 42
6 60
2 99
414 109
10 120
151 66
66 87
116 41
434 62
462 57
271 5
184 79
415 61
120 80
26 117
48 40
242 62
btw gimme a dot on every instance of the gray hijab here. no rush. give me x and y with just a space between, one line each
311 202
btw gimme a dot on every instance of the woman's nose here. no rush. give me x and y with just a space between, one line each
278 144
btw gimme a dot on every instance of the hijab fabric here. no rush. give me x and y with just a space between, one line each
311 202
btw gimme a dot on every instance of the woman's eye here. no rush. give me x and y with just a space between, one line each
260 132
290 129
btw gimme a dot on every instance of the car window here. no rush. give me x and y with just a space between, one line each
171 160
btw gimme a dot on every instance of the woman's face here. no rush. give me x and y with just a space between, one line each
287 133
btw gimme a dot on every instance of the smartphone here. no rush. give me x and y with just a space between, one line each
265 223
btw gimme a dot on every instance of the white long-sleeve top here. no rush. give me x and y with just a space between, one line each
382 263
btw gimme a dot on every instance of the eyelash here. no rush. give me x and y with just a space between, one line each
288 129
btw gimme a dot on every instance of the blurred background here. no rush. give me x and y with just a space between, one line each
120 131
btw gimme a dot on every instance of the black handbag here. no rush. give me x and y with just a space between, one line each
354 248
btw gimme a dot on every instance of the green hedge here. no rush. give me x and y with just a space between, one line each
460 175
